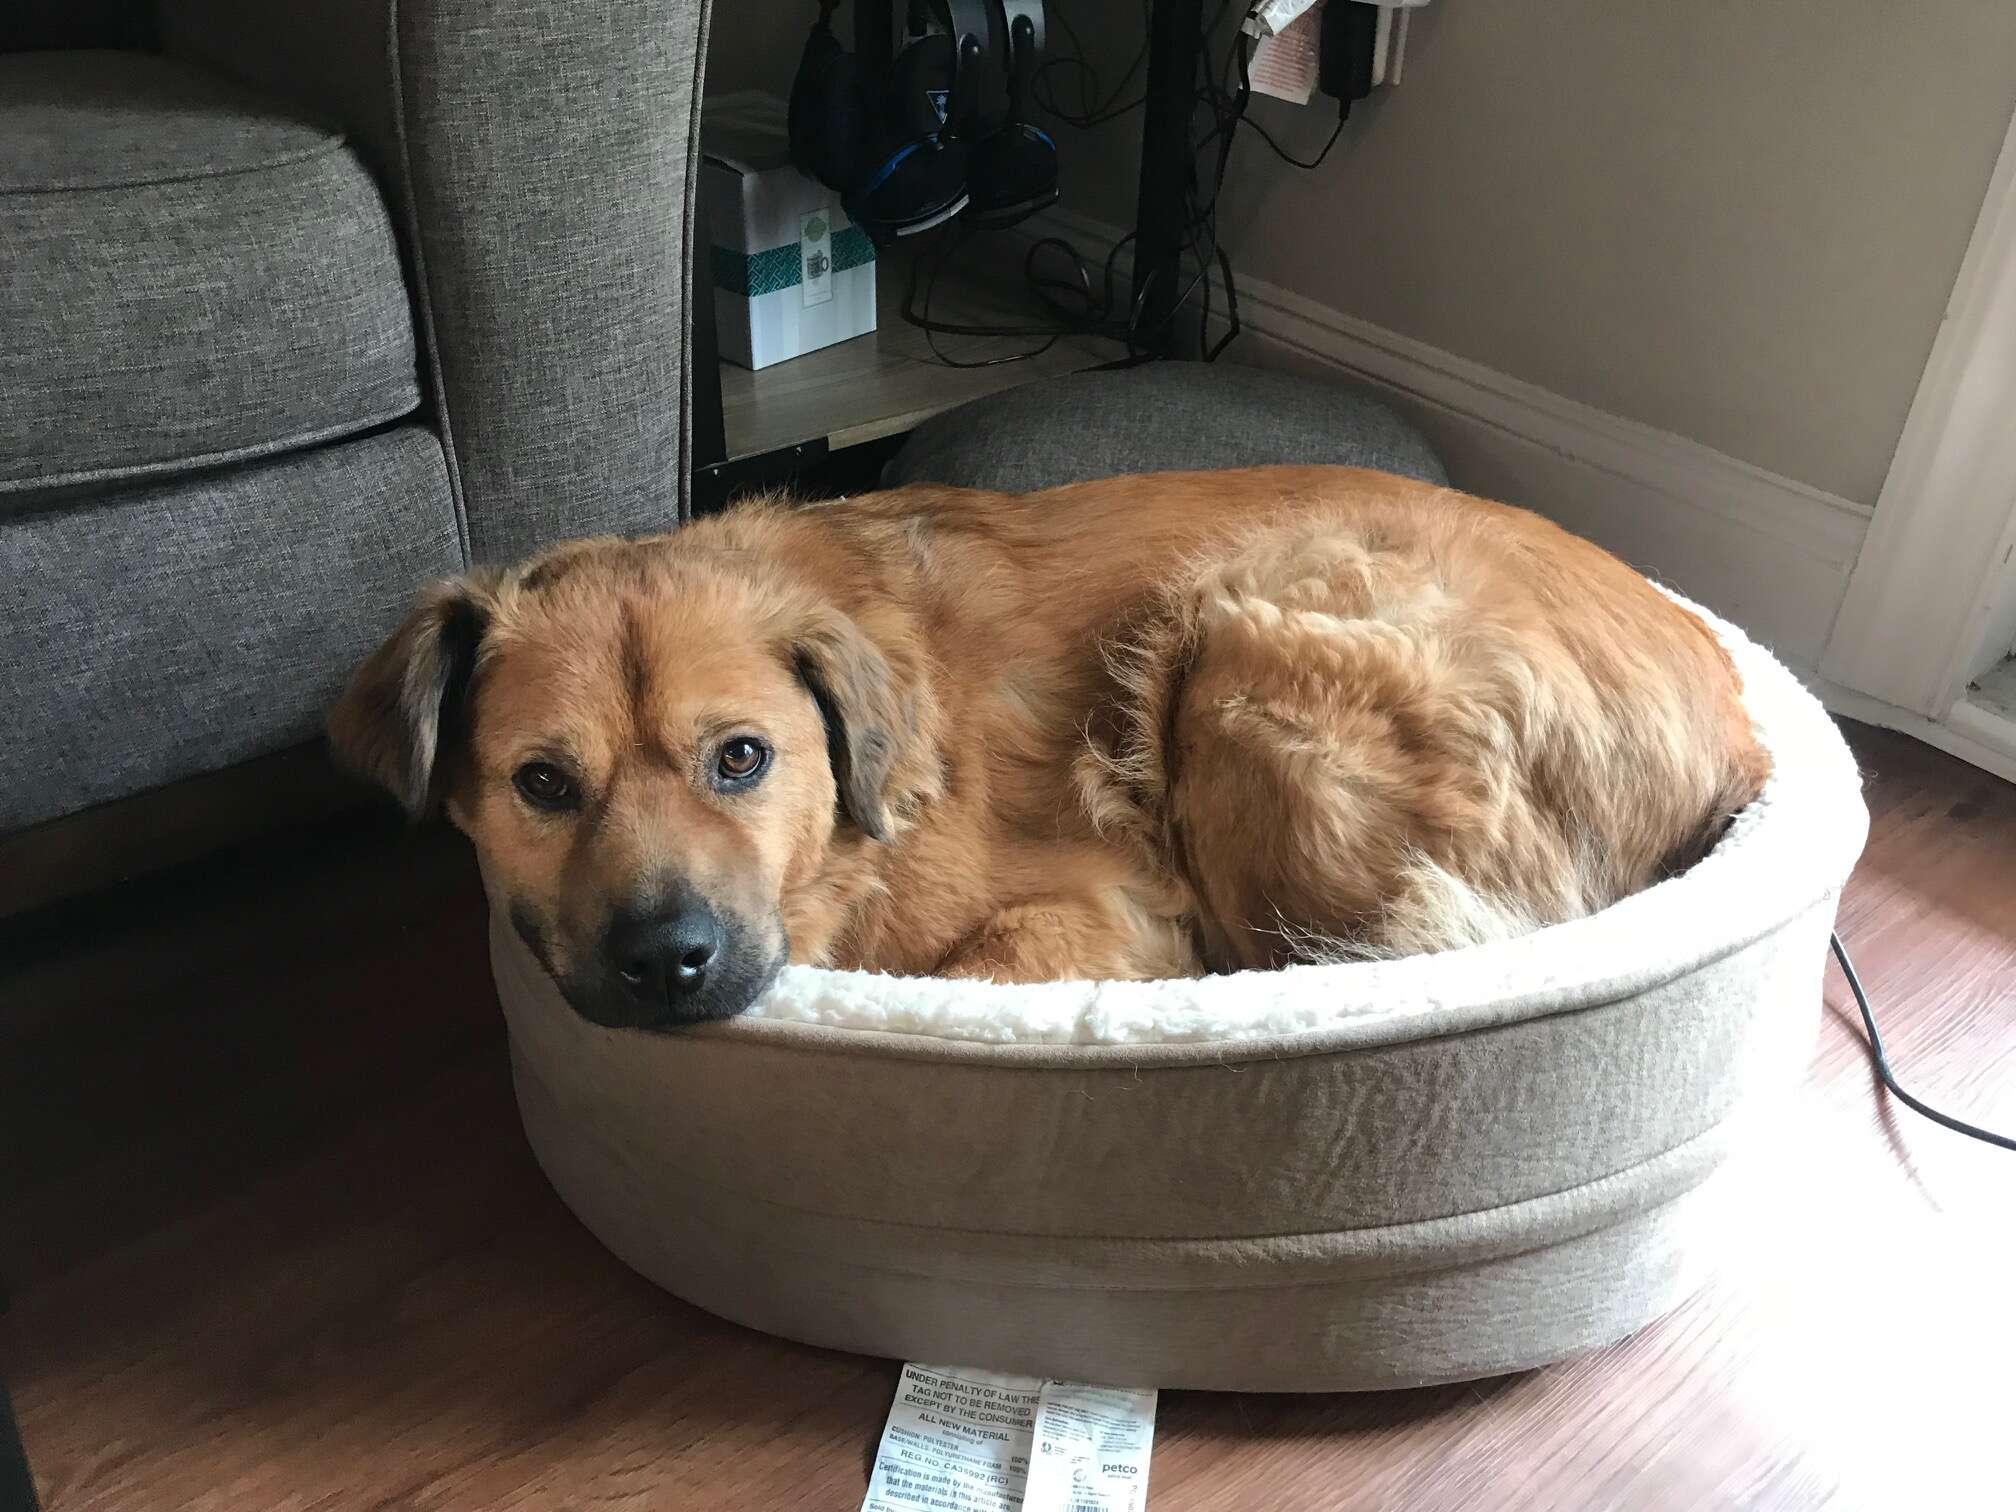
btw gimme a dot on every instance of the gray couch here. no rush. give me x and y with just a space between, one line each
301 303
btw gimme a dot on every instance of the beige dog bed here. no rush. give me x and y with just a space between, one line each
1324 1178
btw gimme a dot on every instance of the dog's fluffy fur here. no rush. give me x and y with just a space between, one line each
1133 728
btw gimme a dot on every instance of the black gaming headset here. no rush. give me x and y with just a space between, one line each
945 137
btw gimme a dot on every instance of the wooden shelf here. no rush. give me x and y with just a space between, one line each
888 381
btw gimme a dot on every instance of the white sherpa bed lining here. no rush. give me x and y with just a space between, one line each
1776 861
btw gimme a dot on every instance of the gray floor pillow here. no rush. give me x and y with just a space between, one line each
1162 417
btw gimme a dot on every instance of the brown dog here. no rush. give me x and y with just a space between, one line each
1137 728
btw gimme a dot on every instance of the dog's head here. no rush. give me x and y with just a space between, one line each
656 746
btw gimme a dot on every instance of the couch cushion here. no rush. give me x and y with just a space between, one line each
1162 417
178 626
187 276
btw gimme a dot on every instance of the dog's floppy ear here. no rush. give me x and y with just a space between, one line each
868 716
404 710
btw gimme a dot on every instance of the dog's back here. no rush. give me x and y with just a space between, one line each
1390 719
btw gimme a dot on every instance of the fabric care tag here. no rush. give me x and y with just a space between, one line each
961 1440
1092 1448
957 1441
815 245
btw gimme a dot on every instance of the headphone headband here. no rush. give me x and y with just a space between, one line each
970 24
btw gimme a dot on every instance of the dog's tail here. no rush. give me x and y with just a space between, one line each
1430 909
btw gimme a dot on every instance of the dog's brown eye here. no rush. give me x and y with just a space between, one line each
545 785
741 759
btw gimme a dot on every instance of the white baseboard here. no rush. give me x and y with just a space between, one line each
1977 735
1982 734
1768 552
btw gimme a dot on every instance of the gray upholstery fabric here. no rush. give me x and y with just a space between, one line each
535 157
541 152
115 120
187 275
158 631
1162 417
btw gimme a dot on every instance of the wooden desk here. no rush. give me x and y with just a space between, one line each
888 381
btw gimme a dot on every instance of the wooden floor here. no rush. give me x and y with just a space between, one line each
275 1241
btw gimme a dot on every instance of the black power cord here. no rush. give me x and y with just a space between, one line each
1243 52
948 244
1094 107
1882 1060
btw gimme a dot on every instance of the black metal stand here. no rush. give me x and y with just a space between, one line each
17 1487
1175 38
709 437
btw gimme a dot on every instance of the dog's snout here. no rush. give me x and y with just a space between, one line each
672 956
665 954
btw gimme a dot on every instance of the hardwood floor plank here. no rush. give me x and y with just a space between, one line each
172 1040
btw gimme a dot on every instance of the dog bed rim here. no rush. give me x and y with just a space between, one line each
1370 1032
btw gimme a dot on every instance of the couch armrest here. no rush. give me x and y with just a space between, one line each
542 154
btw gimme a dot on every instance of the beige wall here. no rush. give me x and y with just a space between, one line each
1735 221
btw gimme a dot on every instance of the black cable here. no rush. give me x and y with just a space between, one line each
1090 115
1093 316
1232 326
1289 158
1228 111
1042 287
933 329
1882 1060
1244 53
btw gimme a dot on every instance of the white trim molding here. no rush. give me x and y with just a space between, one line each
1922 594
1977 736
1766 551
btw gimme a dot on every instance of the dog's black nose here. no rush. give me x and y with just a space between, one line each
665 956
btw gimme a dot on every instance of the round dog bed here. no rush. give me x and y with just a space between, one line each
1322 1178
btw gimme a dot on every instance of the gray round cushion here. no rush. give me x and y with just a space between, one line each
1161 417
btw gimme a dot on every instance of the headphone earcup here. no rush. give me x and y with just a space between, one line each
1013 175
919 185
920 174
828 121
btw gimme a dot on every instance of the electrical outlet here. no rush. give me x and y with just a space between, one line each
1347 48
